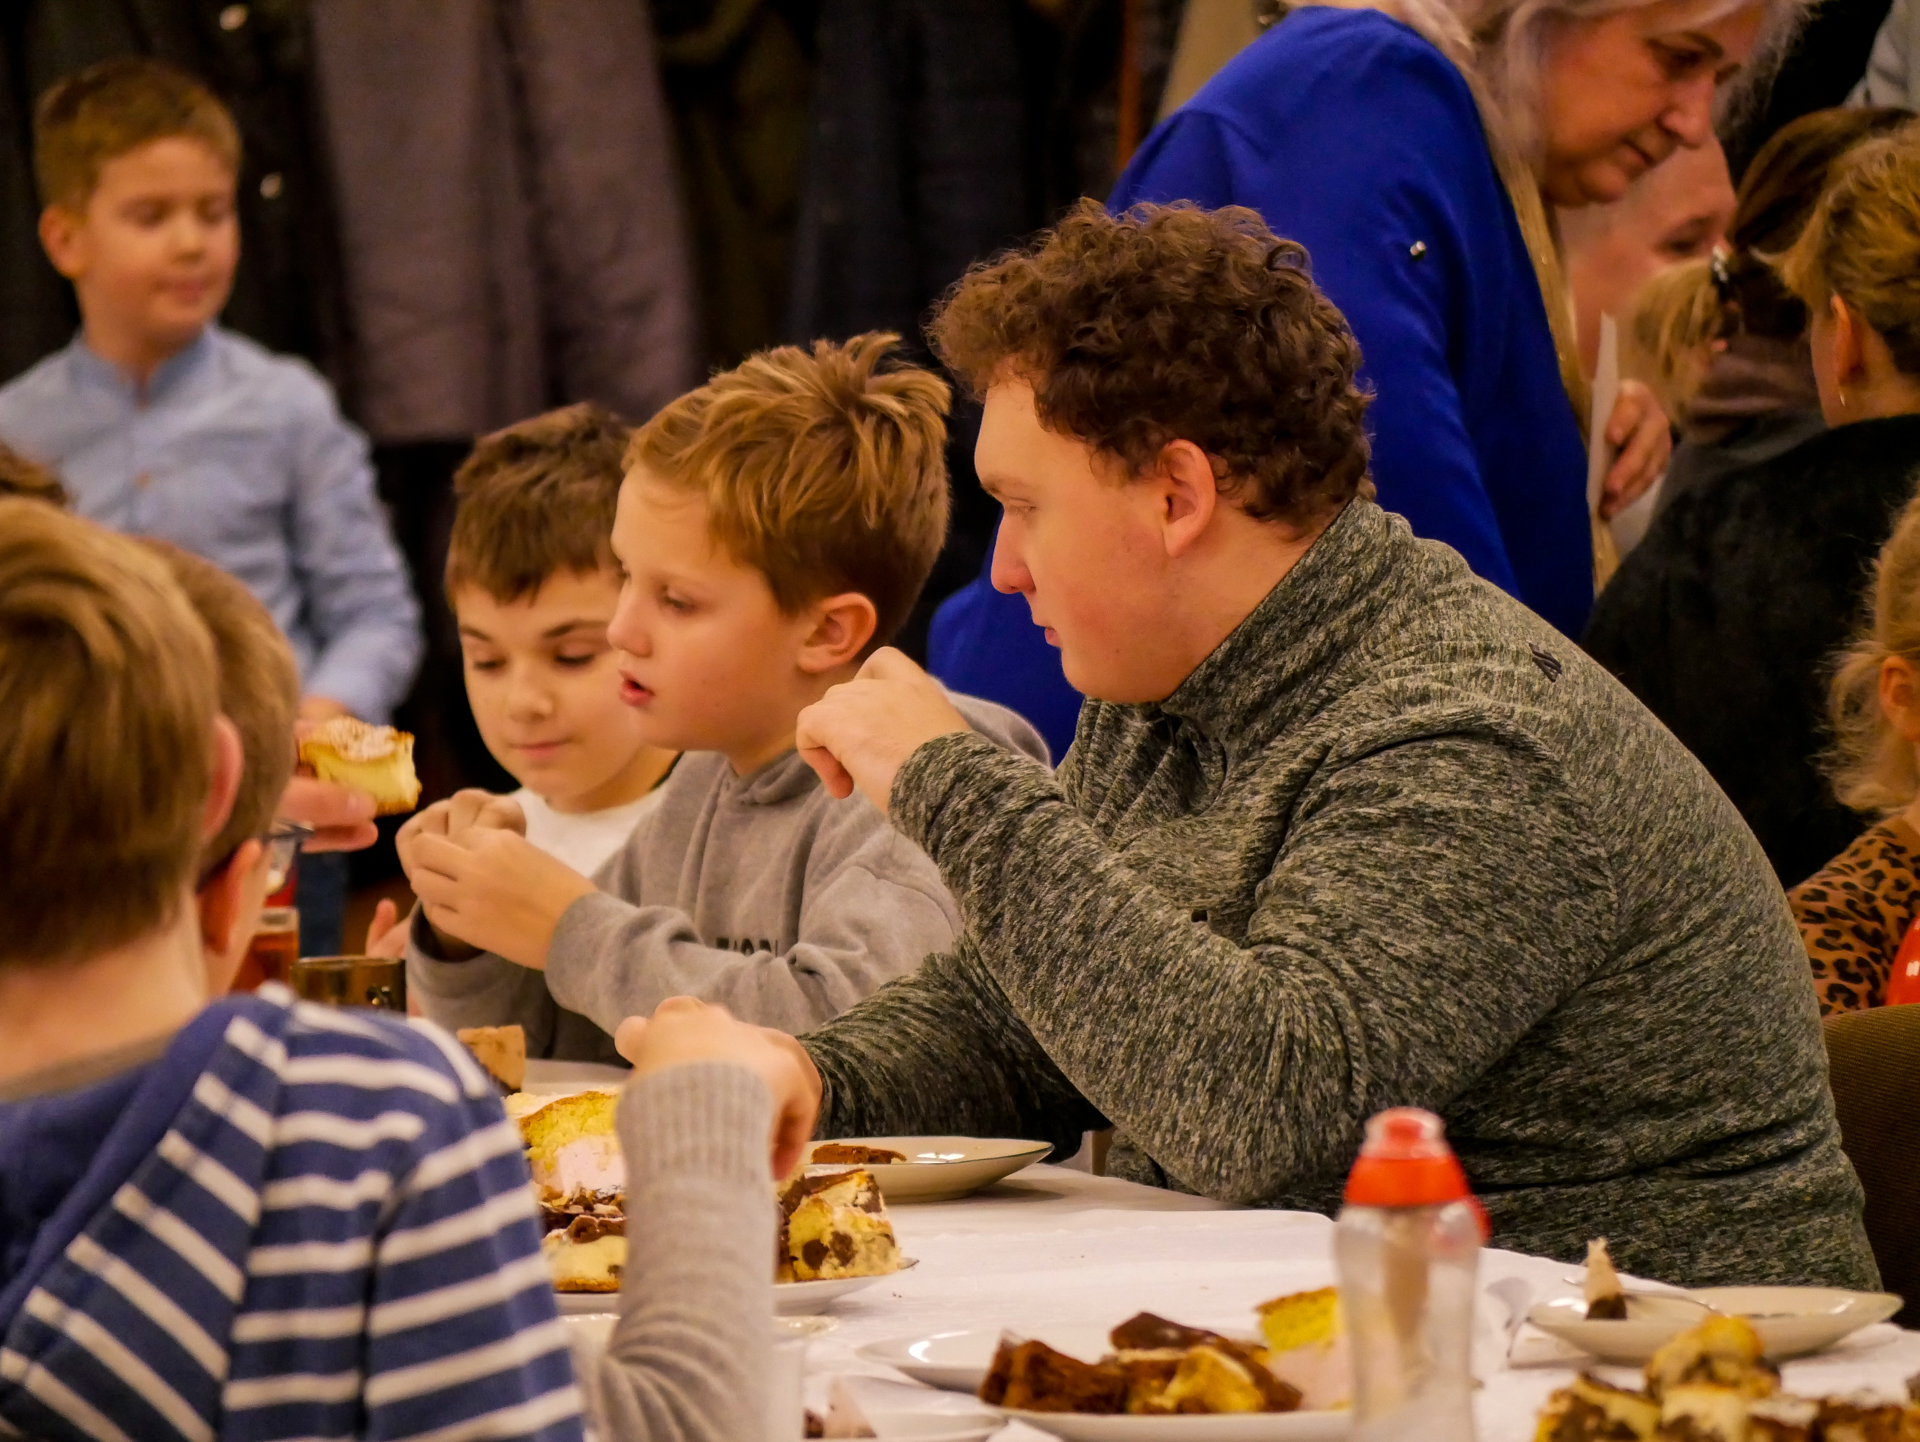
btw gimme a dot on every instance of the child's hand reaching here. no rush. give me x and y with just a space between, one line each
683 1031
387 932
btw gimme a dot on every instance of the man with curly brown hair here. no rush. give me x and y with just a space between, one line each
1343 826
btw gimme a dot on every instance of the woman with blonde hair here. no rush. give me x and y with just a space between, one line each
1722 618
1856 912
1721 340
1416 148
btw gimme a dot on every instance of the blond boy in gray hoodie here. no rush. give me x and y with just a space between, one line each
774 528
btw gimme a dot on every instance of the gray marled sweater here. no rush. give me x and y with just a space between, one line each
1395 841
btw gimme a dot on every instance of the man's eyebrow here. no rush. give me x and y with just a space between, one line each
579 623
1715 50
475 632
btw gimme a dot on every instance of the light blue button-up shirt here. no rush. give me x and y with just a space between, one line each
240 456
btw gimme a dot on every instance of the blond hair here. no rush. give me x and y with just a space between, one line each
107 687
1870 764
821 469
113 108
537 499
20 476
259 690
1862 243
1671 326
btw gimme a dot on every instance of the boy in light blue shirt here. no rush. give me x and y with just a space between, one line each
162 424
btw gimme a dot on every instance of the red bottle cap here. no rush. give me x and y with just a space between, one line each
1406 1162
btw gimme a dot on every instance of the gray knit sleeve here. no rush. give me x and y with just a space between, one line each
1431 901
689 1357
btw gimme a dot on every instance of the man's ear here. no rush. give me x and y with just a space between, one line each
1189 494
227 920
842 626
224 780
60 238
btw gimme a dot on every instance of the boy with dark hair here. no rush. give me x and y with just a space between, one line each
1343 827
774 526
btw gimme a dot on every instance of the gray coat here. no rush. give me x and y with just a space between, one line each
1395 841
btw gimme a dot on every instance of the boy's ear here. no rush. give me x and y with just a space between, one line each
842 626
229 912
224 781
60 237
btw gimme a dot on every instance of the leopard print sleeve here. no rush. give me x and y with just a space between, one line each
1853 915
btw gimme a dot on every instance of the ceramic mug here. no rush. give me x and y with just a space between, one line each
376 981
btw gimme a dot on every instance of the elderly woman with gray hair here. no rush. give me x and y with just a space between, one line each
1417 149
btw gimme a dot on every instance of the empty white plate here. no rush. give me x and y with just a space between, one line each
1791 1321
939 1169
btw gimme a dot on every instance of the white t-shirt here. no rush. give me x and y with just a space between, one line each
585 839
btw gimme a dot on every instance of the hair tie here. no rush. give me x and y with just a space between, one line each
1722 272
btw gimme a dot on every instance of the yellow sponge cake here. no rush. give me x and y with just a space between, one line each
375 759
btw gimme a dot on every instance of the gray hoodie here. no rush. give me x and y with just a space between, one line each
760 892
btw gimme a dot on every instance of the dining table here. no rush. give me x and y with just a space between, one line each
1058 1248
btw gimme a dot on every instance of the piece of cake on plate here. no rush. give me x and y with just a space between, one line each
580 1181
833 1226
1307 1347
502 1050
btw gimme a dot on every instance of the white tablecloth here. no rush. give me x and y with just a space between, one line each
1053 1246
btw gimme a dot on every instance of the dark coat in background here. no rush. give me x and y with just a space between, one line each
1724 620
287 293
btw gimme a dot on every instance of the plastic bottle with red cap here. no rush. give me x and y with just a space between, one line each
1407 1244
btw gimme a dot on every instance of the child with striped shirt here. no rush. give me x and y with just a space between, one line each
248 1217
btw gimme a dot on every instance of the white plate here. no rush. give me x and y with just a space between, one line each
959 1360
939 1169
1220 1427
597 1326
558 1078
586 1304
934 1426
803 1298
1791 1321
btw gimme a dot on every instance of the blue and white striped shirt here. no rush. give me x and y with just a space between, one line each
306 1223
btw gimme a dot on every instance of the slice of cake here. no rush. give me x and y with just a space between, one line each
834 1226
1307 1347
1595 1411
1226 1376
1606 1301
830 1154
1720 1352
375 759
502 1050
572 1147
580 1181
1035 1378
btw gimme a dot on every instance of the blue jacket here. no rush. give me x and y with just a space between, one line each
1352 135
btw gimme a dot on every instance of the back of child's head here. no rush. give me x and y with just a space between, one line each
113 108
1871 765
1862 242
259 690
823 469
1678 315
29 479
107 687
535 500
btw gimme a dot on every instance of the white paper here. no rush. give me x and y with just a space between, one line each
1606 390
